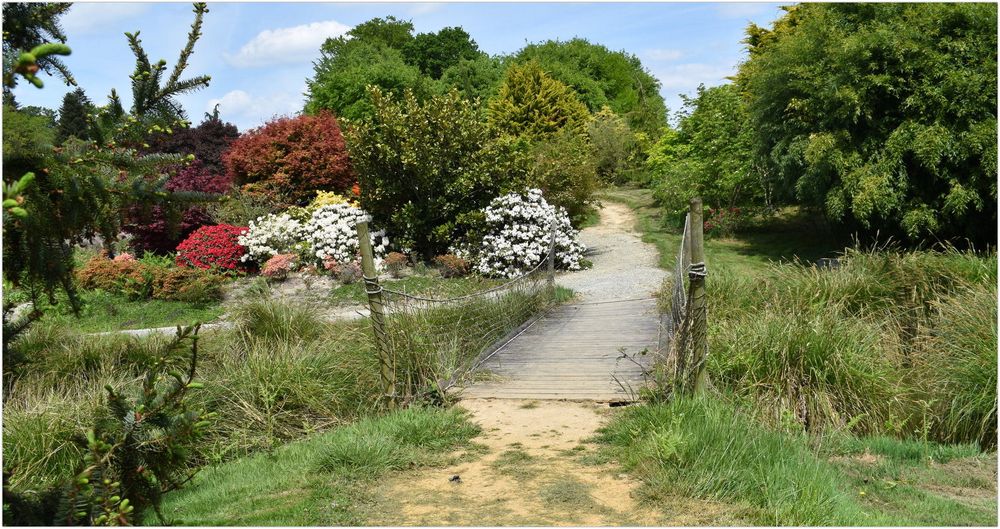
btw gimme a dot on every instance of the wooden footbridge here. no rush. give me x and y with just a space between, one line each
582 351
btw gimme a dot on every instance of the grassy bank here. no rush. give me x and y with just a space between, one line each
709 449
322 480
855 392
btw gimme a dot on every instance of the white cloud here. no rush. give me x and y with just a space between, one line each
249 111
90 18
424 8
662 54
286 45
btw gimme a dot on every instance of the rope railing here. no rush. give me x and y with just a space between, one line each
683 344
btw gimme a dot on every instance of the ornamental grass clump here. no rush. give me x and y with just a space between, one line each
518 235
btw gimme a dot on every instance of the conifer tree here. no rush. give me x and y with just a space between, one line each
74 116
533 105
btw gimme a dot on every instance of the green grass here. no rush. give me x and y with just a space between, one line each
104 311
517 463
321 480
705 448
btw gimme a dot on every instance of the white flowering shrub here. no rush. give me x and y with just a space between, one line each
272 235
332 232
518 234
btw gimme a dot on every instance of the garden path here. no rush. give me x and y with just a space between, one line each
591 349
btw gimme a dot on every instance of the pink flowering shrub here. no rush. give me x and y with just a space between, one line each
279 266
124 257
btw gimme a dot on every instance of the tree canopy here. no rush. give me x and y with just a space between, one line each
881 115
602 78
531 104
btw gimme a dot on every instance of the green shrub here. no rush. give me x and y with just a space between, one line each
425 166
564 169
150 279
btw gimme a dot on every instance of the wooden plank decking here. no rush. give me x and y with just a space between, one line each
574 352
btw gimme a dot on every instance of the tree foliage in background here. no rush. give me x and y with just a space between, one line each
475 78
426 168
433 53
613 143
564 168
289 159
207 142
602 77
25 26
75 117
881 115
708 155
371 54
533 105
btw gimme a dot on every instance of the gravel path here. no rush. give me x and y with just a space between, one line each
624 266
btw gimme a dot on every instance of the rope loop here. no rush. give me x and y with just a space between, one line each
371 285
697 271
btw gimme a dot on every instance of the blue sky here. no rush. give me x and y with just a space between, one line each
260 54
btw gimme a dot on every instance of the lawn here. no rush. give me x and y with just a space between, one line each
104 312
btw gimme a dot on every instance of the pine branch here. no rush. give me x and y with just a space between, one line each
200 8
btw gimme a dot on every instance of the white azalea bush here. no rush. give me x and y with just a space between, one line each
518 229
332 233
327 236
272 235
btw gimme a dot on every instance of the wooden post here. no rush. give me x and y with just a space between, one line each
376 306
696 275
552 255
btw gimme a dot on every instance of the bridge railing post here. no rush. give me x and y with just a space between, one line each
376 308
699 308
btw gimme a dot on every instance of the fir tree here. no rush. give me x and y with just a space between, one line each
75 117
533 105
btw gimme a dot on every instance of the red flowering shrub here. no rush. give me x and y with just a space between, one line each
212 247
292 158
151 230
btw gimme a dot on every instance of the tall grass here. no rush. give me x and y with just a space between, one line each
705 449
901 343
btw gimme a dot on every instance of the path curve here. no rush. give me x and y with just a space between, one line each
625 267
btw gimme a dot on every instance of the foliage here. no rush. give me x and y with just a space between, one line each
328 198
154 230
83 190
882 116
519 234
478 77
709 155
138 280
409 148
291 158
207 142
138 450
433 53
564 169
75 116
26 26
370 54
532 104
601 77
613 143
212 247
452 265
724 222
239 207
